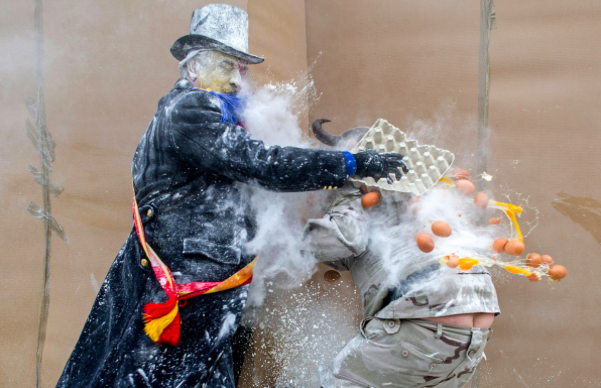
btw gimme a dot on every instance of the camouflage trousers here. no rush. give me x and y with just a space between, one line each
407 353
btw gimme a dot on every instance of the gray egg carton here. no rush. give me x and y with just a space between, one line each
427 164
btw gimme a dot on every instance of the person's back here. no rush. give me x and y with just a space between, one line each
424 324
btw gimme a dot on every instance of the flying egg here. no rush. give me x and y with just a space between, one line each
465 187
441 229
481 200
514 247
498 245
557 272
459 174
370 200
425 244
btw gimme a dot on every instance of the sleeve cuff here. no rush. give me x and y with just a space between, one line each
351 164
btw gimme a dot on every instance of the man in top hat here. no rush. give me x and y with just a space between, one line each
173 298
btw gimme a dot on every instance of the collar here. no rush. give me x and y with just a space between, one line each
183 83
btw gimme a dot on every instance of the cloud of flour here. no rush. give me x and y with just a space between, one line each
271 114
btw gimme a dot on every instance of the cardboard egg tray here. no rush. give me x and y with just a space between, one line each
427 164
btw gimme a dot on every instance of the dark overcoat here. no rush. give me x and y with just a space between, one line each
191 176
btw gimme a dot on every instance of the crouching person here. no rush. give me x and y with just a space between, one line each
425 325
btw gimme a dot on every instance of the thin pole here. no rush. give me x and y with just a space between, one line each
45 169
487 23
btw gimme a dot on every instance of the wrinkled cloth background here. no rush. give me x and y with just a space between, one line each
412 63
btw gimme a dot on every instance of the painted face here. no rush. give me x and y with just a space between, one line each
221 73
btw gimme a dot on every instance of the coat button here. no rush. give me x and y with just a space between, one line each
144 262
149 213
432 366
391 323
471 352
405 353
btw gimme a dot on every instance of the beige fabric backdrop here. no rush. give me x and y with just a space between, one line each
544 114
413 63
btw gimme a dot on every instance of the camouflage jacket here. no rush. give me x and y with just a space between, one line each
394 278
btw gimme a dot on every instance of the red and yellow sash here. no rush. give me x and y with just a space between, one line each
162 321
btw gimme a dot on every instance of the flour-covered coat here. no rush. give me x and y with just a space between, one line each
191 175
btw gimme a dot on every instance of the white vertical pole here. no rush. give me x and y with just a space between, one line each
487 23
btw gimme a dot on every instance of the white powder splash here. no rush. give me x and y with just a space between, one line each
298 327
272 113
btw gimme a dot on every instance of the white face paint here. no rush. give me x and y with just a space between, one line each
216 71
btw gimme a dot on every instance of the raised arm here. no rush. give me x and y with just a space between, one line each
230 150
340 234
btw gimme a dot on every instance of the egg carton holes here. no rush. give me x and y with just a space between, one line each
426 163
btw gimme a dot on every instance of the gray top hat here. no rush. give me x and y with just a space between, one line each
218 27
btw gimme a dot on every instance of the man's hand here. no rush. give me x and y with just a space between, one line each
370 163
